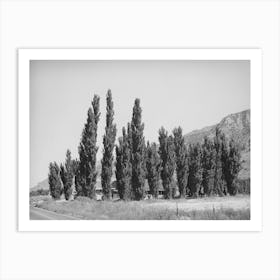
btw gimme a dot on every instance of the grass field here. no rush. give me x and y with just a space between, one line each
213 208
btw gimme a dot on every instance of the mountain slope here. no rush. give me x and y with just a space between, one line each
236 126
41 185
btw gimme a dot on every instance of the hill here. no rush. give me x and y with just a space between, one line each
236 126
41 185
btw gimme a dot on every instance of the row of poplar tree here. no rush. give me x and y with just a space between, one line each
210 168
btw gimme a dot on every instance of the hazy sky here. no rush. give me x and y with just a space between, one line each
192 94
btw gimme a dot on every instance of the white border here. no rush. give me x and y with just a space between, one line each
24 57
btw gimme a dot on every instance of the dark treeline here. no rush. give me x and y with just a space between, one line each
180 170
39 192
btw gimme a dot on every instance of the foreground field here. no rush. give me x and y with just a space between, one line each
36 213
214 208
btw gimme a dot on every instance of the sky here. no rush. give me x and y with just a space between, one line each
190 94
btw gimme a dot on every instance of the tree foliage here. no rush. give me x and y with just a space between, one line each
137 152
219 183
54 180
153 164
181 161
87 173
67 175
77 177
39 192
124 166
208 166
232 167
168 157
108 143
195 170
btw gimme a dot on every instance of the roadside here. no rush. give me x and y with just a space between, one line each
213 208
208 203
42 214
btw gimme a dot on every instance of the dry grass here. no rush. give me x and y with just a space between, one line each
226 208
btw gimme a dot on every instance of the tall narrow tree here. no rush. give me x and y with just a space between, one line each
78 178
218 178
108 143
88 151
181 161
232 167
195 170
137 152
55 185
67 175
224 160
208 166
76 170
124 167
153 163
167 154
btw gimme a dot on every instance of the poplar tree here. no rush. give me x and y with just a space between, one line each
137 152
153 163
67 175
181 161
195 170
123 166
87 151
76 170
108 143
78 180
232 167
55 185
208 166
224 160
218 178
167 154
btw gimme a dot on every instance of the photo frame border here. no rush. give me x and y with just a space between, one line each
24 58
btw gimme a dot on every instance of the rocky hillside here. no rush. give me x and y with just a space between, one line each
236 126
